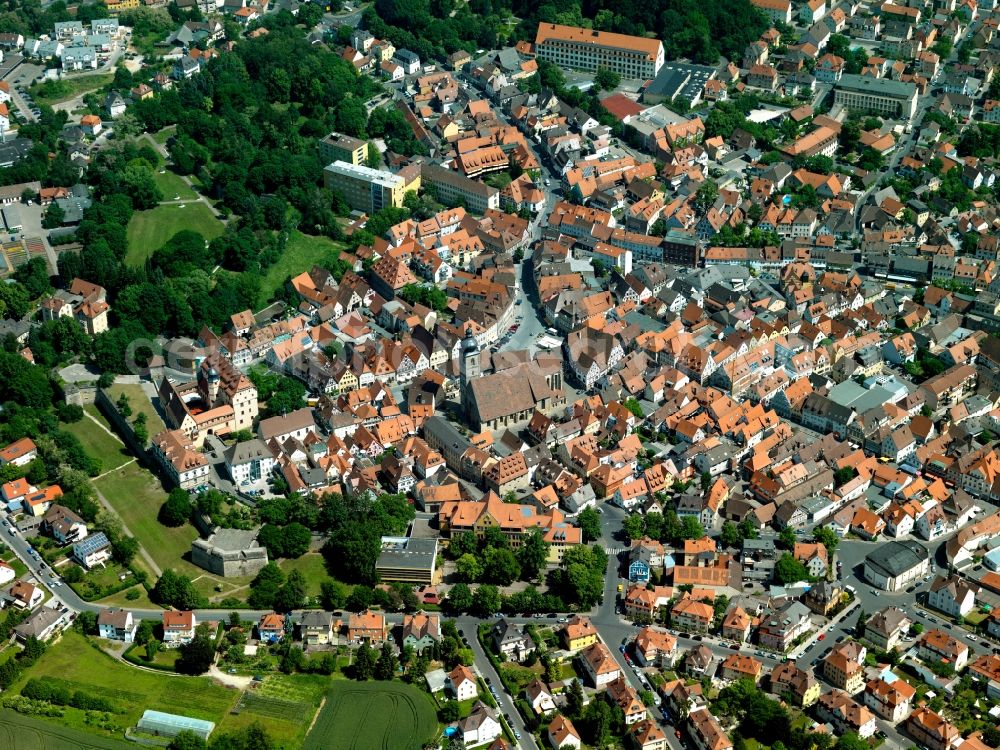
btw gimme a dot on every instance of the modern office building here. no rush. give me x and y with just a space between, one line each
340 147
880 96
586 49
363 188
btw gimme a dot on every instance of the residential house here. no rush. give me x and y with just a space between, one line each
578 633
462 683
178 627
421 630
955 596
116 625
886 628
598 664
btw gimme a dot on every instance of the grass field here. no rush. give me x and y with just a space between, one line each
301 252
108 449
373 716
137 496
149 230
139 401
76 664
121 599
162 136
53 92
20 732
313 569
172 186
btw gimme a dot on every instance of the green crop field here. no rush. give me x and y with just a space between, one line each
373 716
77 664
285 704
25 733
149 230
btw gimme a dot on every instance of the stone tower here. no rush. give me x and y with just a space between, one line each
469 367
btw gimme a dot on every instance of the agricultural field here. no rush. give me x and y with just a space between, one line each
373 716
77 664
26 733
149 230
285 704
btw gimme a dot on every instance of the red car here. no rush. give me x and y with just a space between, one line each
822 637
628 659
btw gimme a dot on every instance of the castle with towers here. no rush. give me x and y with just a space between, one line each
220 401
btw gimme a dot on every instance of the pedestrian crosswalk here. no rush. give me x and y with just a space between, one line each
612 551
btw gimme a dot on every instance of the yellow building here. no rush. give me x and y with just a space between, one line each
340 147
579 633
363 188
118 6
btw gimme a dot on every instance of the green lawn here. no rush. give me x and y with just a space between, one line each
53 92
313 569
363 715
301 253
139 402
137 496
162 136
14 561
77 664
108 449
149 230
172 186
121 599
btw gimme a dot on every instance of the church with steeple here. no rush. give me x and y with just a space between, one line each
508 396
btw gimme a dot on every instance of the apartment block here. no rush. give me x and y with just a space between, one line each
363 188
586 49
340 147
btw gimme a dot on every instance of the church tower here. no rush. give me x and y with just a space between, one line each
469 368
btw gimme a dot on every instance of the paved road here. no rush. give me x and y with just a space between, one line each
468 628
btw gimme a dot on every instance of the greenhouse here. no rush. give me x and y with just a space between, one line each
170 725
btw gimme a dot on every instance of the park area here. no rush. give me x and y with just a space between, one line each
98 439
77 664
172 186
373 716
149 230
136 495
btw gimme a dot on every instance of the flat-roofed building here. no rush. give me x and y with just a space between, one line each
407 559
586 49
363 188
340 147
881 96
